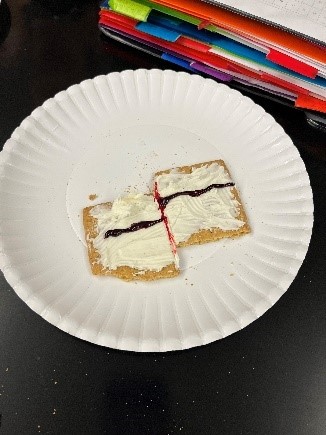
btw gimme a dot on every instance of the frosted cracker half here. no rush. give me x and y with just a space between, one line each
128 239
201 203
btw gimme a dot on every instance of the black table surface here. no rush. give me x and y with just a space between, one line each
268 378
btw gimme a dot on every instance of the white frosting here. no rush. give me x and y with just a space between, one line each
144 249
187 215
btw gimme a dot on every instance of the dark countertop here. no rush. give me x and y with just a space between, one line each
266 379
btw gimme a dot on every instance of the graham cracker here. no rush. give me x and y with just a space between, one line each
126 273
213 234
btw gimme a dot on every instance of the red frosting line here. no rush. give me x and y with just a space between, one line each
157 197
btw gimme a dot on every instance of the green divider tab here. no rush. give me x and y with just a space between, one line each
131 8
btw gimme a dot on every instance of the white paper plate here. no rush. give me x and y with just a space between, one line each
113 132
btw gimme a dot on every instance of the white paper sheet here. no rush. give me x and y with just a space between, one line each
307 17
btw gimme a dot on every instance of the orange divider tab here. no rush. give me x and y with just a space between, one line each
312 103
203 24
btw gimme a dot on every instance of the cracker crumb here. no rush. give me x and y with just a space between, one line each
92 196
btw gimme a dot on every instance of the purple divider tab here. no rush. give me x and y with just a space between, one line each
211 71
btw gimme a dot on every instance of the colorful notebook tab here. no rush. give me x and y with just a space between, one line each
158 32
308 102
130 8
244 25
291 63
211 71
238 51
177 61
195 45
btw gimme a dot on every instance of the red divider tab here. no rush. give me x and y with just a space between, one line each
195 45
291 63
106 16
284 84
